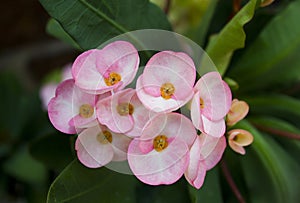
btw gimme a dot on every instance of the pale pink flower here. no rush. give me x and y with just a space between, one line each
210 104
238 139
167 81
71 108
101 70
205 153
161 154
97 146
123 112
47 91
238 111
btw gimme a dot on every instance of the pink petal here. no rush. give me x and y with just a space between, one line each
90 151
170 67
107 112
120 143
158 104
172 125
212 149
238 110
214 128
80 122
47 92
196 170
120 57
215 94
237 148
60 108
156 168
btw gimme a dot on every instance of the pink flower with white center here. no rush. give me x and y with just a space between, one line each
210 104
72 109
205 153
167 81
111 68
161 154
97 146
47 91
123 113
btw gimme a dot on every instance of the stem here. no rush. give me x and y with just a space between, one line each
278 132
231 182
167 6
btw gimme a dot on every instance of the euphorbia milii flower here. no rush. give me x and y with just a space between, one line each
238 139
205 153
123 112
161 154
71 108
97 146
210 104
167 81
238 111
111 68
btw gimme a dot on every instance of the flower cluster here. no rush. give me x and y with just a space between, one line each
143 125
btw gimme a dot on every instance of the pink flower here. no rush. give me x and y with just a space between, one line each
111 68
238 111
205 153
97 146
71 108
161 154
47 91
238 139
167 81
123 113
210 104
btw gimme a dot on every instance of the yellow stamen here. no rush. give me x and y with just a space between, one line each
104 137
86 111
201 103
125 108
112 79
167 90
160 143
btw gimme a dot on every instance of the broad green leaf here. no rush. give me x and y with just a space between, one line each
273 58
210 191
90 23
280 106
292 146
80 184
23 167
53 150
55 29
231 37
269 161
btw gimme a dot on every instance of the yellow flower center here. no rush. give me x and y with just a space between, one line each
167 90
160 143
86 111
112 79
104 137
201 103
125 108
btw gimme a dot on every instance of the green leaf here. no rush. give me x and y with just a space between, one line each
80 184
55 29
273 58
53 150
210 191
23 167
231 37
280 106
90 23
271 174
199 34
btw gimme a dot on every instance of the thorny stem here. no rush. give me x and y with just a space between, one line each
231 182
167 6
278 132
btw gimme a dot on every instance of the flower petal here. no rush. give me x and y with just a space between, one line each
156 168
90 150
215 94
238 110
